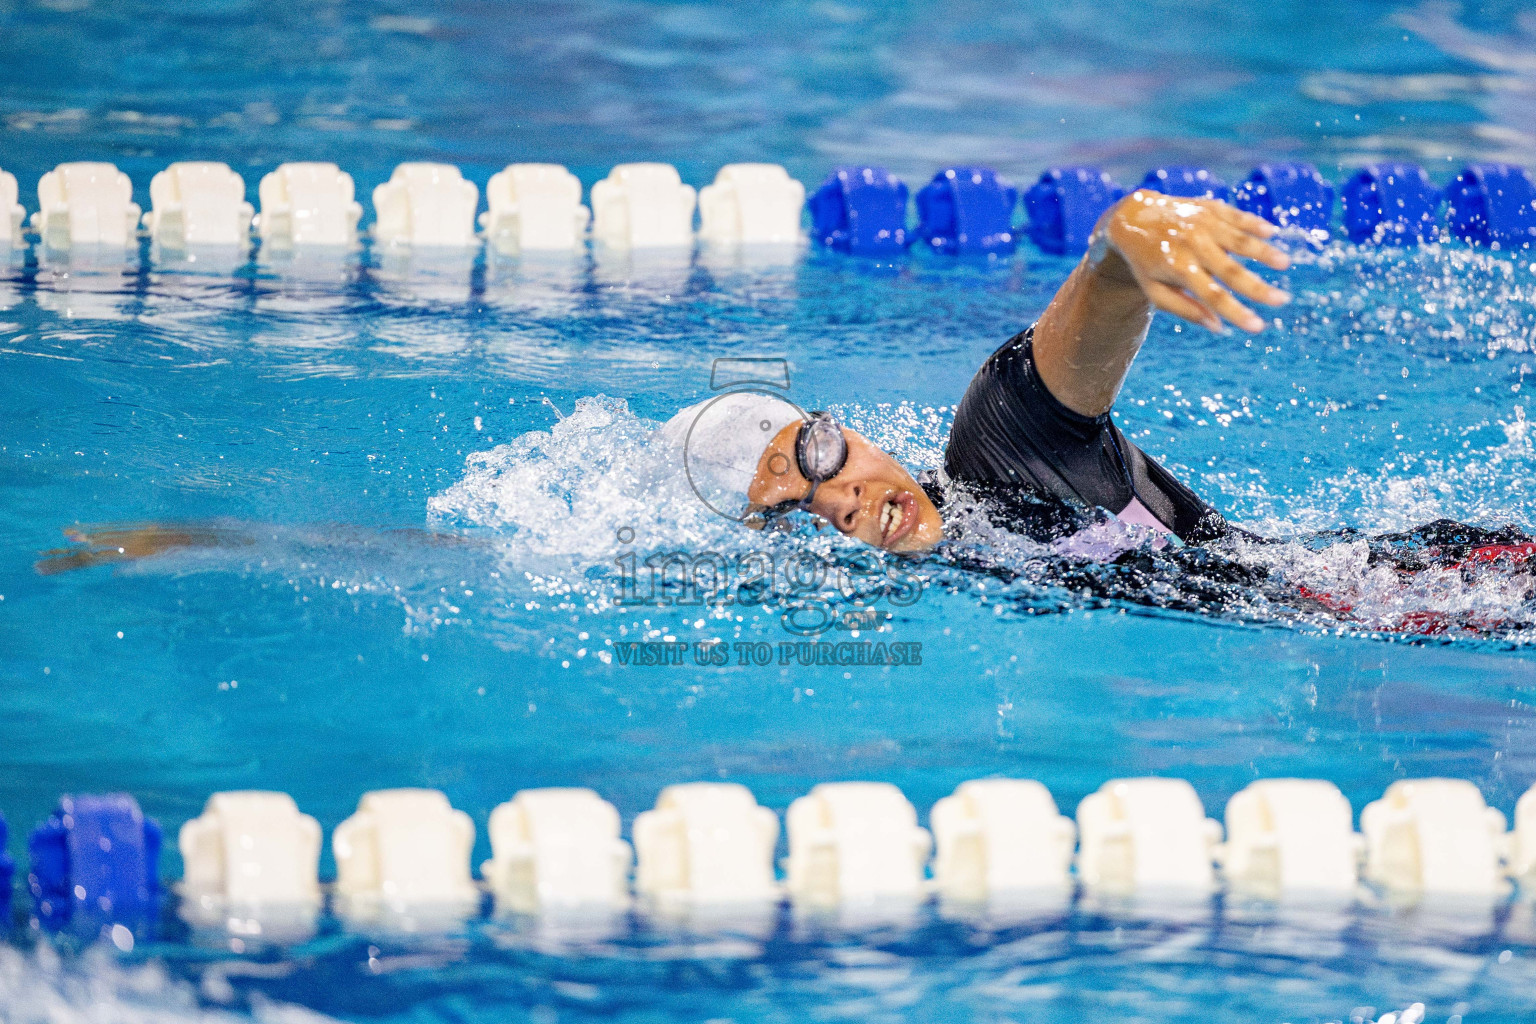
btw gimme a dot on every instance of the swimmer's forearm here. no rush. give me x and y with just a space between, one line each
1089 334
108 544
1149 251
111 544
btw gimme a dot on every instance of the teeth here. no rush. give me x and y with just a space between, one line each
890 519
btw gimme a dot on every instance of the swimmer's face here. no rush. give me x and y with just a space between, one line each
872 498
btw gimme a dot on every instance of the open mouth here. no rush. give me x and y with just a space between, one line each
898 515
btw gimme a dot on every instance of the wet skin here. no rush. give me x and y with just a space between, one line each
1149 251
873 498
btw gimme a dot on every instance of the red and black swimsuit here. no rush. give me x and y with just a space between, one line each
1047 472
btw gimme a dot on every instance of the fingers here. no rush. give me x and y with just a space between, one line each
1172 300
1186 258
1250 223
1253 248
1246 234
1210 292
1206 290
1239 278
64 560
1203 278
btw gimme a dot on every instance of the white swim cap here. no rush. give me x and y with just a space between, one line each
721 440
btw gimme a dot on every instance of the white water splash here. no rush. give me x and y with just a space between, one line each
578 490
1407 492
1378 597
42 987
565 501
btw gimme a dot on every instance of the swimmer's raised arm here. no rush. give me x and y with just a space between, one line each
1149 251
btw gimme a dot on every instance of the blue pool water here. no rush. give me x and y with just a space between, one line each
423 472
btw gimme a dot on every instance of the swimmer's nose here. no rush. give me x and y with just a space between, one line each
845 516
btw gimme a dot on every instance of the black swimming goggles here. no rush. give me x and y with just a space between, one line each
821 451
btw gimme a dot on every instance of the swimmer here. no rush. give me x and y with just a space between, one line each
1033 434
1034 445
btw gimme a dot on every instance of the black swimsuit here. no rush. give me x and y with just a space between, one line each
1049 471
1045 471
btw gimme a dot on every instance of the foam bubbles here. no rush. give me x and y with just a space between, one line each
577 490
558 506
42 987
1493 486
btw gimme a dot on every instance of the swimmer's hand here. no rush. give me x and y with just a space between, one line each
113 543
1179 252
106 545
1149 251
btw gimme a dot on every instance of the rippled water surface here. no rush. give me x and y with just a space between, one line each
415 483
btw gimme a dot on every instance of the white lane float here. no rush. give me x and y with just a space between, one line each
1288 836
1522 855
856 847
198 203
852 842
11 213
751 204
426 204
641 206
557 849
251 866
534 207
252 847
999 836
308 204
1146 833
87 204
1434 836
404 849
706 842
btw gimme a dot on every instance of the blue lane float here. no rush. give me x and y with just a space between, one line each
96 856
1065 204
966 210
1391 204
1492 204
7 872
1187 183
861 210
1287 194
